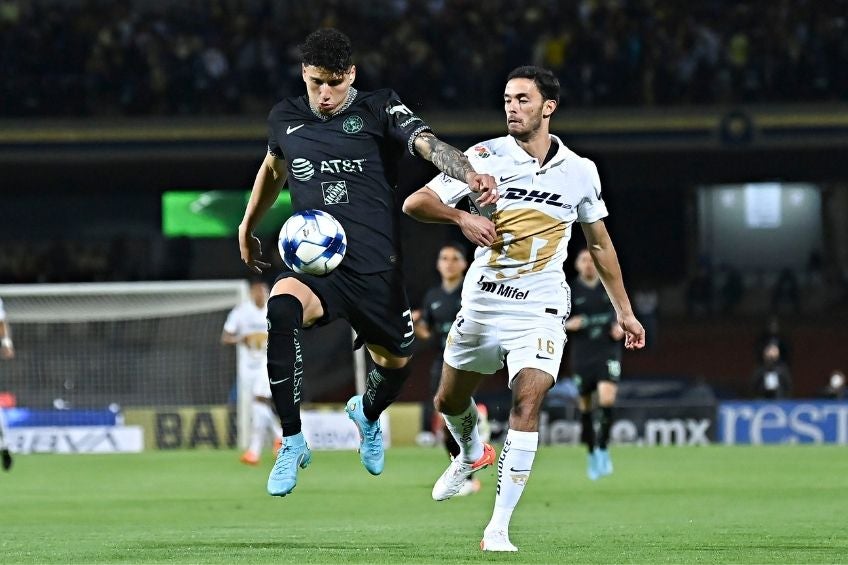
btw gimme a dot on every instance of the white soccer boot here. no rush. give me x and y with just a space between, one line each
496 539
454 477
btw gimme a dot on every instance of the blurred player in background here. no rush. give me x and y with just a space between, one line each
7 351
339 149
432 322
595 359
515 298
247 328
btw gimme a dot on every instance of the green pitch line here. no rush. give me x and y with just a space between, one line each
662 505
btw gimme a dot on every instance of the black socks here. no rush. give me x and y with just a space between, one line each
382 387
285 359
606 425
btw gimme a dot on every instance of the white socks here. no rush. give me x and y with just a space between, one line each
262 420
463 428
514 466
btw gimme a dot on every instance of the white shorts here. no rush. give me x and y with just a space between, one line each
535 343
261 385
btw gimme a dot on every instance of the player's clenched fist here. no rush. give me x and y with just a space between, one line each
485 185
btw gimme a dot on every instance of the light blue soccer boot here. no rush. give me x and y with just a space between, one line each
294 453
370 437
604 462
592 466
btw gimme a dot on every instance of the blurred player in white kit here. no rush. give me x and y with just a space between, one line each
247 328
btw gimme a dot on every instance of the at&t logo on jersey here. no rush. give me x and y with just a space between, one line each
550 198
342 166
302 169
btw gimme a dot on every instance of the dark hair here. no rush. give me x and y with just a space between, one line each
458 247
327 48
546 82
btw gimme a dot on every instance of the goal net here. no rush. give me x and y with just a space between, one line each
88 348
149 347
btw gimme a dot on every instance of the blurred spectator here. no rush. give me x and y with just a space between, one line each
772 379
699 294
731 290
773 334
786 292
836 386
96 57
815 269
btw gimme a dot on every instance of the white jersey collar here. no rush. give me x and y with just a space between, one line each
521 156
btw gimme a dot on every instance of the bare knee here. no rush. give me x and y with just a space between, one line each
451 406
524 415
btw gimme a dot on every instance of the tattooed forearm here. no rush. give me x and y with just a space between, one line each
447 158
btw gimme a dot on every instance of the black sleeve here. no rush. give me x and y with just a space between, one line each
402 125
273 145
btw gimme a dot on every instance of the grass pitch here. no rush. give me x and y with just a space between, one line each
662 505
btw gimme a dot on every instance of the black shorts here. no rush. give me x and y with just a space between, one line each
588 375
375 305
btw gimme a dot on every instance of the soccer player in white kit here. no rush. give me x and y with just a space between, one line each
515 298
7 351
247 328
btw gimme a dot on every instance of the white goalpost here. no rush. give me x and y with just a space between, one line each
84 349
96 346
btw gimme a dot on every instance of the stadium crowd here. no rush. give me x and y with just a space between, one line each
169 57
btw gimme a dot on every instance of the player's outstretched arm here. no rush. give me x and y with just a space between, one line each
454 163
425 206
266 188
606 262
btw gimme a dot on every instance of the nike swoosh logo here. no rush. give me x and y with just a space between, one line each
504 179
546 358
280 381
291 129
407 343
514 470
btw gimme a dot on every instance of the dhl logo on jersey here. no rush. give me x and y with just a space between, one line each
549 198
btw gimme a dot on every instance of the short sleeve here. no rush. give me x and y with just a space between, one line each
403 124
273 144
592 207
231 325
2 311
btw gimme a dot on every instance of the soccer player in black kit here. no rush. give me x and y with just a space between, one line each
433 320
339 148
595 359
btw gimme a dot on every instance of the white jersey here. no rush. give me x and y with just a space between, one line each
248 322
2 312
521 275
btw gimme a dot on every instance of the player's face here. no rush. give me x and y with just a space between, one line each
451 263
259 293
525 108
327 91
585 266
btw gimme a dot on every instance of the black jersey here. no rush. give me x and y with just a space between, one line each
439 310
592 343
346 165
